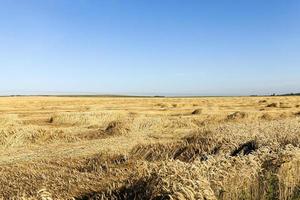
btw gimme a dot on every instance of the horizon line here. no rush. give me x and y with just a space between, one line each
138 95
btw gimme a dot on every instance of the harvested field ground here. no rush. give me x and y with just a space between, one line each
149 148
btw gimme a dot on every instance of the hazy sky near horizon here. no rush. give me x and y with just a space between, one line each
194 47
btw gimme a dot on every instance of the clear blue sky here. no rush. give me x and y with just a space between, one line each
200 47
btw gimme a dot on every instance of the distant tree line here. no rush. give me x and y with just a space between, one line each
274 94
291 94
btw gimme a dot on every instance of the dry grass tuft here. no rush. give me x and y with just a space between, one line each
197 112
262 101
266 116
237 115
297 113
273 105
117 128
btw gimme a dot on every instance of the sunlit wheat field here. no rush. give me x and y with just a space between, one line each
150 148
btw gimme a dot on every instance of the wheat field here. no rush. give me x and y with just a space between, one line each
149 148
